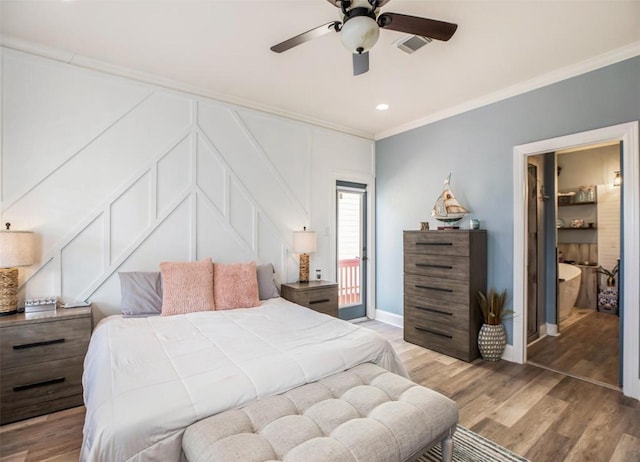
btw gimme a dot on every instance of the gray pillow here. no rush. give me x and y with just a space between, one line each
267 287
141 294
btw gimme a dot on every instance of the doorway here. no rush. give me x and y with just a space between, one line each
581 201
351 219
629 274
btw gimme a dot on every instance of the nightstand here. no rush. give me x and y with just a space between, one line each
41 362
320 296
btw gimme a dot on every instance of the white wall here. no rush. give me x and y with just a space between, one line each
116 175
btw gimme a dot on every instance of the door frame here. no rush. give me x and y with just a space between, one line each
538 163
361 189
628 134
368 180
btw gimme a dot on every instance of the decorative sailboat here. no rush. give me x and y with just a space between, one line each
447 209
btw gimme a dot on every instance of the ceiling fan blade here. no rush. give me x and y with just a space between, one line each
360 63
423 27
306 36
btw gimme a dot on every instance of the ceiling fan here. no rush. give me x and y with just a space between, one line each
360 28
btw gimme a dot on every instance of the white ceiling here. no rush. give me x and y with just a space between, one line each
221 48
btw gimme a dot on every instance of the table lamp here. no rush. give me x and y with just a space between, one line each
304 243
16 249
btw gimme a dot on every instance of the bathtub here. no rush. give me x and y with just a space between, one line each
569 277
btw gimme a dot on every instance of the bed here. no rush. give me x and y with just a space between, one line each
147 379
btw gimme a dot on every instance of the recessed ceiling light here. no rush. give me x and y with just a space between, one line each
382 107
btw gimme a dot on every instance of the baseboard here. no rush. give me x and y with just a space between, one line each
552 329
390 318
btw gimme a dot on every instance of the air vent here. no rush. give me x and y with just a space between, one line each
412 43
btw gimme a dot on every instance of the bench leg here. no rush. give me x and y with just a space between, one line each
447 449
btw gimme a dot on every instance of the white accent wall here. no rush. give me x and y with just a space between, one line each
117 175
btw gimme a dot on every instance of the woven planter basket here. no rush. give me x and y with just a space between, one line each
492 341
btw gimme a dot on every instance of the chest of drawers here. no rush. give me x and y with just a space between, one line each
443 272
41 360
320 296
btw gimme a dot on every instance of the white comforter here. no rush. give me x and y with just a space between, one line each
146 380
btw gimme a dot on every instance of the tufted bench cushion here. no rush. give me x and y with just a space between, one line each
364 414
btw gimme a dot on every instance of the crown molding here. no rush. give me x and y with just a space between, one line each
101 66
582 67
567 72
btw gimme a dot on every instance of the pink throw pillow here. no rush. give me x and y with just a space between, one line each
236 285
187 287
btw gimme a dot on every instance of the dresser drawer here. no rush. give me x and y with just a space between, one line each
453 337
439 266
452 342
44 342
437 243
29 385
428 288
435 311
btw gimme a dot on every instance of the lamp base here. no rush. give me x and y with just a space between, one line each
8 290
304 268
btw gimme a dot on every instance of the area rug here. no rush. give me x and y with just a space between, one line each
471 447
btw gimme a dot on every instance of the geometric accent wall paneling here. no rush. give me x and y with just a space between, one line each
130 216
82 259
151 175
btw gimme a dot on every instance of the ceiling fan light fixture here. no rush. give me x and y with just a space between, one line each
359 34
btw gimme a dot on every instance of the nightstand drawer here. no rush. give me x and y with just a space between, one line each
44 342
29 385
437 243
319 296
450 291
439 266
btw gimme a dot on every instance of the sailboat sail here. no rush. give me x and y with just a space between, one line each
447 208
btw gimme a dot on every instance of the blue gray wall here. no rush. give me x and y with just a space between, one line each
477 147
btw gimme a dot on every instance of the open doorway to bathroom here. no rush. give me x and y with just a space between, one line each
574 235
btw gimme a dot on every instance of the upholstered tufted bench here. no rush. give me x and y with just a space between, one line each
365 414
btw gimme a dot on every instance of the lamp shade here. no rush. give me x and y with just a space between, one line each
16 248
304 241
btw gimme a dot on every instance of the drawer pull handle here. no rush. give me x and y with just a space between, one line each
427 265
324 300
434 332
24 346
433 310
441 289
44 383
434 243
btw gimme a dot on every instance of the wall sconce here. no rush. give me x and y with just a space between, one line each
304 243
16 249
617 179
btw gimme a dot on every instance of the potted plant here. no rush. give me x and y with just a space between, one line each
492 338
611 275
608 296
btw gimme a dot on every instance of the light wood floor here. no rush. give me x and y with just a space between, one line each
539 414
587 348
